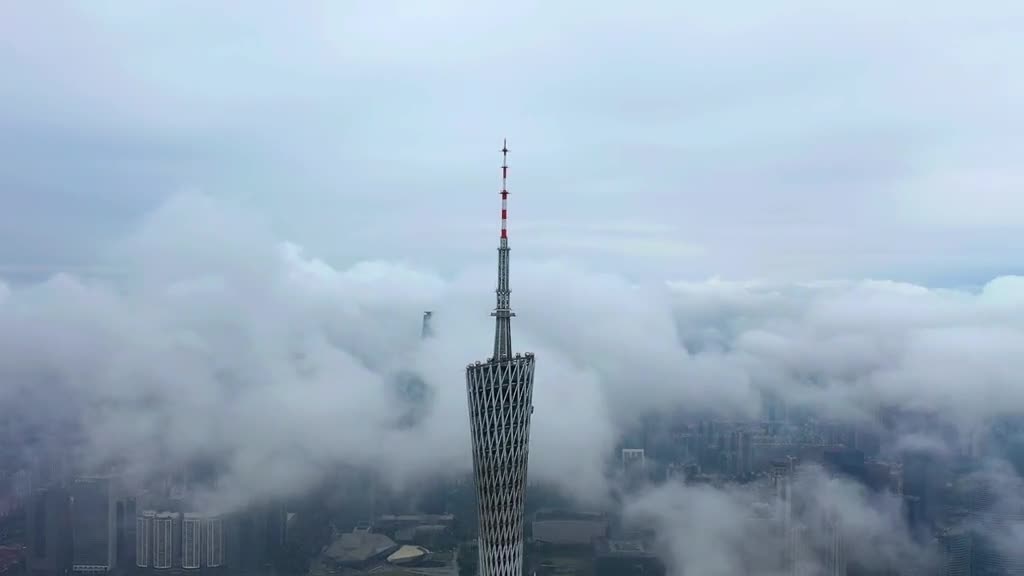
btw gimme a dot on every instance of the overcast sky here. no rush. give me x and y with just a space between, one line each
711 201
660 139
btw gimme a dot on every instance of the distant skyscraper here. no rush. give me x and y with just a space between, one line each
956 548
125 530
49 532
835 547
634 463
94 526
922 481
792 533
500 395
427 330
634 468
634 459
738 453
996 512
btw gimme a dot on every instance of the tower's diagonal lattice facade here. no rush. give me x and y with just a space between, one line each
500 396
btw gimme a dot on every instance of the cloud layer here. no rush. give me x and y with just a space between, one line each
272 327
218 340
726 531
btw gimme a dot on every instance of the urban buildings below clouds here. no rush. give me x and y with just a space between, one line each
957 552
633 463
429 530
408 555
365 552
564 528
625 558
995 520
189 540
634 459
11 559
168 535
358 549
413 396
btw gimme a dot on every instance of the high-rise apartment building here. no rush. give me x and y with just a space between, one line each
144 538
188 540
214 539
93 526
163 539
191 540
49 532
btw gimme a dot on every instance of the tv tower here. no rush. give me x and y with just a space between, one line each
500 394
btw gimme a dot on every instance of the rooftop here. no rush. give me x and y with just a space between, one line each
359 547
543 515
424 518
625 546
408 554
622 548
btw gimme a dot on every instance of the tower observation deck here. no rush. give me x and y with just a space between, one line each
500 395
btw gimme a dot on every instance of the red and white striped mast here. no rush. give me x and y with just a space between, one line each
502 311
504 189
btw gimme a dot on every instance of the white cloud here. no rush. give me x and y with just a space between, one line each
217 339
734 529
351 154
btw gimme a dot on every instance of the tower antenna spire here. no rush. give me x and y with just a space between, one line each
502 310
504 188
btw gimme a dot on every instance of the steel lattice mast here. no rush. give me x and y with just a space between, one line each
500 396
502 312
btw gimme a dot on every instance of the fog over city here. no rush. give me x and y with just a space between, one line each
222 228
250 351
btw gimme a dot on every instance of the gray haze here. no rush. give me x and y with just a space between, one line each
220 226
